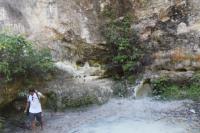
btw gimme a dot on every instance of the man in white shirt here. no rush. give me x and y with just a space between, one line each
34 106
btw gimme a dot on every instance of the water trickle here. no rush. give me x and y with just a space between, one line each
142 89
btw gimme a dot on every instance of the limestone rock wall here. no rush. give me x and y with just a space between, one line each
165 27
39 19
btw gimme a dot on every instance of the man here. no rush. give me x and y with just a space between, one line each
34 106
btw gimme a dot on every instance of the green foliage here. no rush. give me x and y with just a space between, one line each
18 58
118 34
193 91
131 79
52 100
178 92
78 102
109 12
172 92
167 90
159 85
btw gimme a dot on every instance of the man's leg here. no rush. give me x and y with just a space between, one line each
39 119
32 119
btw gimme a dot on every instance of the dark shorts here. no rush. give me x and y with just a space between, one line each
37 116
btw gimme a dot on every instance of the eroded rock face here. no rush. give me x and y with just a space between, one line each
168 29
41 16
174 36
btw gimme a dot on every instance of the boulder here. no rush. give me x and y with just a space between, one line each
66 92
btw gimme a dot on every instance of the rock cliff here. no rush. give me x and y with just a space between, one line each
168 30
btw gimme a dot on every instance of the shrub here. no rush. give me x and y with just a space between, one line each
159 85
122 43
170 90
18 58
173 92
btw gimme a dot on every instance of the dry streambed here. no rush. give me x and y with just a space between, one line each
126 116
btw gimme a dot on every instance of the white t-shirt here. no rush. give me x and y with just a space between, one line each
35 106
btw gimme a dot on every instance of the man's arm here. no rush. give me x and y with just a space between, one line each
40 94
27 106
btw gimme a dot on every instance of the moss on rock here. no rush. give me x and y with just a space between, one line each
51 101
81 101
56 102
